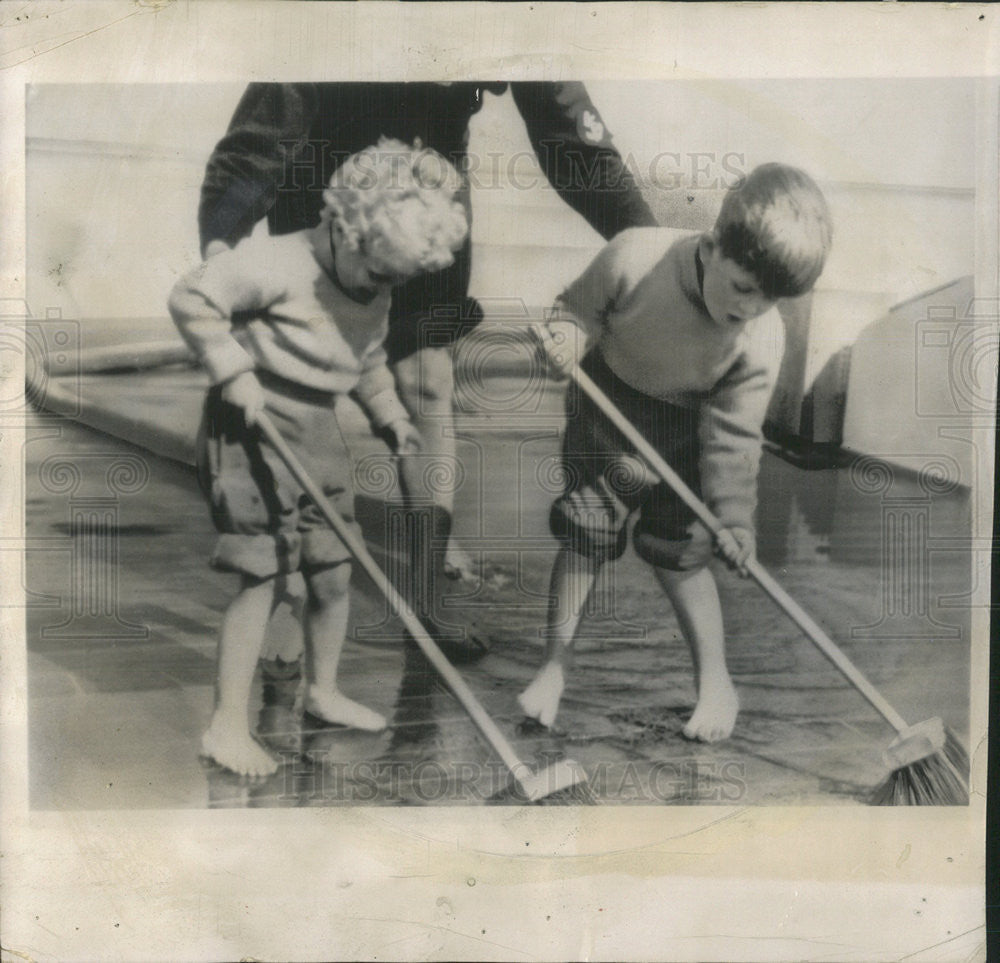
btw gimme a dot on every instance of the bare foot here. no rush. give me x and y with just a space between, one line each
715 714
541 699
336 709
458 564
230 744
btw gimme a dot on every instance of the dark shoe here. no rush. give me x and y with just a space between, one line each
456 649
278 670
463 651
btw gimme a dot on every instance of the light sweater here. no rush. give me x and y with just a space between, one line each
268 304
639 303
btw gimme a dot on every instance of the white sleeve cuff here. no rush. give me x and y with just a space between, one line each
385 408
225 360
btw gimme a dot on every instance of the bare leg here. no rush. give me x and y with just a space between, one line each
426 383
573 578
325 626
227 739
283 643
696 600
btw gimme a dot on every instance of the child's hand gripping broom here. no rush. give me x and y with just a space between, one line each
929 764
565 777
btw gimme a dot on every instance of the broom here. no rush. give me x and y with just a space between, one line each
564 781
929 765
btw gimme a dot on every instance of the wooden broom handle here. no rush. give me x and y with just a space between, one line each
756 571
413 625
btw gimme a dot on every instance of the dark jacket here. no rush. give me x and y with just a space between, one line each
285 140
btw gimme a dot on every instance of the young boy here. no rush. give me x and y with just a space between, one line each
286 325
686 342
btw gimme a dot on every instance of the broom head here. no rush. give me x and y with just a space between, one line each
564 783
930 767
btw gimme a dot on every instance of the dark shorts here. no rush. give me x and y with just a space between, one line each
600 497
266 525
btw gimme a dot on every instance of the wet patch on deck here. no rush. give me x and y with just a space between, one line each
117 701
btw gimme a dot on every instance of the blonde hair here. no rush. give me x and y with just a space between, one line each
396 204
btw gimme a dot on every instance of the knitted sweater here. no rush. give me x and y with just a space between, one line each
268 304
640 304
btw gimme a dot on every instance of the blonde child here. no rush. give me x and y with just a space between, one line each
287 325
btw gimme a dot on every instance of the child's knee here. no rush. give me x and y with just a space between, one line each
258 556
425 380
322 547
588 527
329 584
276 584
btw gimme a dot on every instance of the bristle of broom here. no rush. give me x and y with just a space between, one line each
940 779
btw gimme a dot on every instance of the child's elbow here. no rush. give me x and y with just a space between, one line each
183 301
175 301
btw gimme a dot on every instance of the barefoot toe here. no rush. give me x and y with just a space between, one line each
336 709
232 747
541 699
715 715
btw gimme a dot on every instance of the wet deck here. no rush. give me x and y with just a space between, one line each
117 704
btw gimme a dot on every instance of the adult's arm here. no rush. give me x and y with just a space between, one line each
248 164
376 390
576 152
